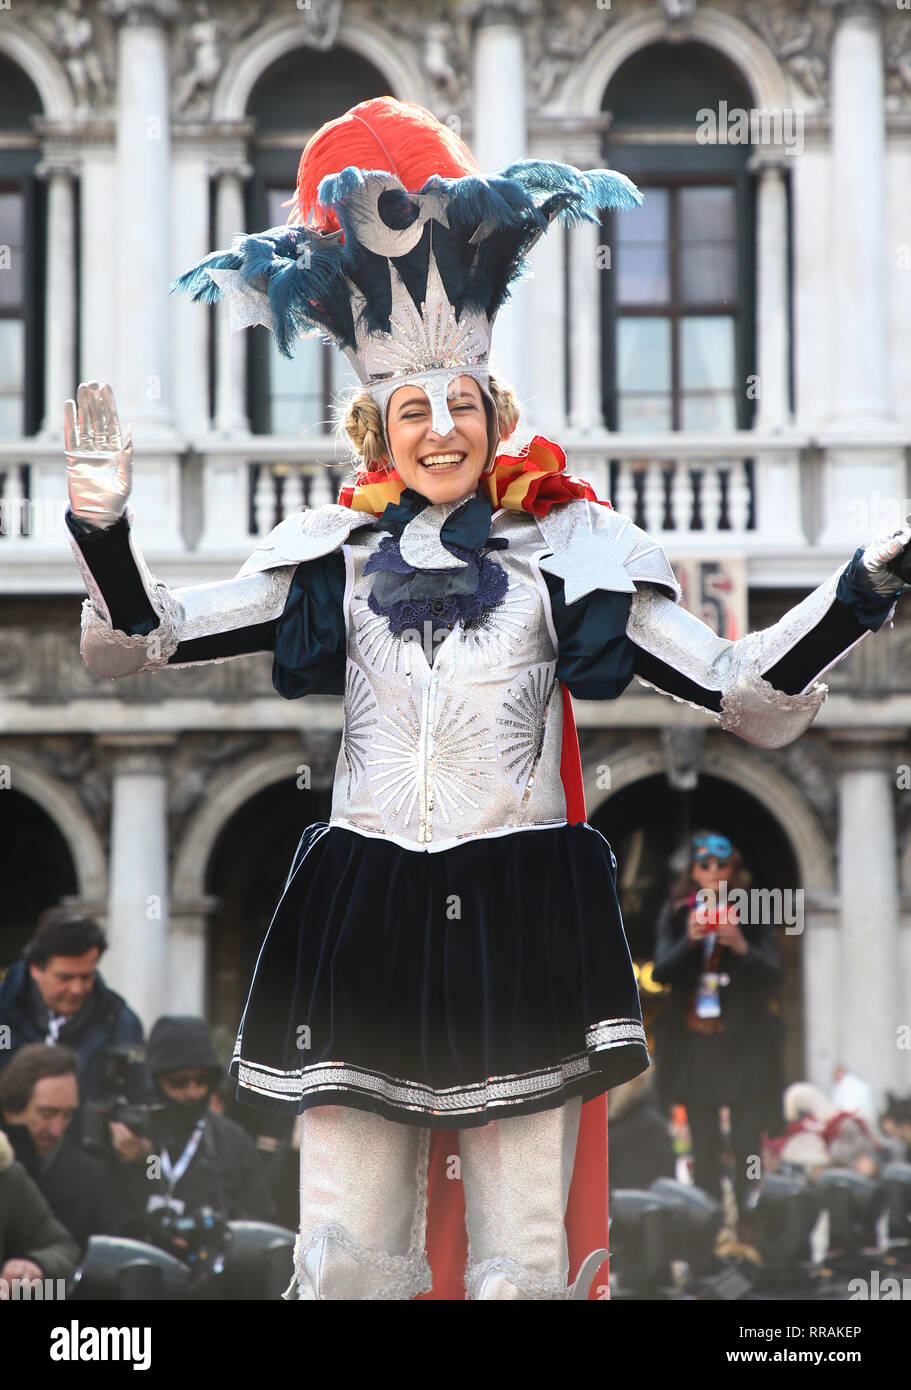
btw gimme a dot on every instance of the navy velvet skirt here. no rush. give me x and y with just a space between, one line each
442 989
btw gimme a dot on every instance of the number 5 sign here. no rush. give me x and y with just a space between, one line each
715 590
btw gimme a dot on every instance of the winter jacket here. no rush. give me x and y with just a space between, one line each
76 1187
28 1228
748 1049
226 1171
109 1021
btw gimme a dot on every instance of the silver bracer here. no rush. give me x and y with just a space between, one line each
255 595
751 707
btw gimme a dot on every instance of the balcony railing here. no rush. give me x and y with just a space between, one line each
200 506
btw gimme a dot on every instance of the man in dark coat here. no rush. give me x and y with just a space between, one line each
192 1157
39 1095
33 1244
55 994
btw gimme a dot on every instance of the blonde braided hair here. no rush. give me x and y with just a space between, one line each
363 424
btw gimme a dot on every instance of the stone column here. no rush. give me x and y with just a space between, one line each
187 941
230 348
143 212
588 261
870 1008
860 409
60 297
500 138
99 214
585 414
778 507
772 237
860 393
821 948
190 243
136 963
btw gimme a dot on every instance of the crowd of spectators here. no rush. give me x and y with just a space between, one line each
100 1128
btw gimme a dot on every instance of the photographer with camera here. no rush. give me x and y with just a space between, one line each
718 1042
55 994
39 1095
188 1156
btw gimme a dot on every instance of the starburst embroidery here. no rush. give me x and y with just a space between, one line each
492 640
360 720
522 736
385 651
447 770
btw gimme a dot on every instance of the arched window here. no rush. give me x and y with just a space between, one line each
678 300
21 256
297 94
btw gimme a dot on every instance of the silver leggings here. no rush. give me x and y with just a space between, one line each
363 1185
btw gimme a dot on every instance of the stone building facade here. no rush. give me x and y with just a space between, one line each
735 375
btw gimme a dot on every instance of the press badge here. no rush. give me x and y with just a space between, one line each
156 1202
708 998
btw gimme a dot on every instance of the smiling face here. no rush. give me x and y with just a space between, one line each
443 468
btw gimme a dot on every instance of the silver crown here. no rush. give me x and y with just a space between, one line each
427 347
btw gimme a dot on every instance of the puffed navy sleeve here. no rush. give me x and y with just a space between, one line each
310 641
596 660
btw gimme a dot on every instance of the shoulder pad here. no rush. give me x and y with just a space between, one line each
594 547
304 535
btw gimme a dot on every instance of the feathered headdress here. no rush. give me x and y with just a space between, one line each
402 255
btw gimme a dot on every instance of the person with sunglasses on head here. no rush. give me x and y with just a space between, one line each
717 1044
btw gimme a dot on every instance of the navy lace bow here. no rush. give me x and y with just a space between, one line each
409 597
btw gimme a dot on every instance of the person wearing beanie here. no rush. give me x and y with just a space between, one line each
445 989
204 1159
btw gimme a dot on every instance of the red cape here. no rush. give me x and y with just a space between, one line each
586 1213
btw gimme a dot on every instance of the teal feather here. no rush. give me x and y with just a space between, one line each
308 275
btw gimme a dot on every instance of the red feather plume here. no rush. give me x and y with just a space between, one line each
382 133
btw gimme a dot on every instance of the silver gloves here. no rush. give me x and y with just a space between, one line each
888 562
99 463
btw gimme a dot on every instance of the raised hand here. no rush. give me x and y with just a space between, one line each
888 561
99 462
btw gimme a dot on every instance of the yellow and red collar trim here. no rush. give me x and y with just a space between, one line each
530 481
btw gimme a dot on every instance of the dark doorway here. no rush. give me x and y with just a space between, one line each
38 870
647 822
247 872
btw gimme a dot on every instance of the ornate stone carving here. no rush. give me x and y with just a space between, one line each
75 760
799 37
497 11
319 750
678 12
898 60
440 40
559 37
140 11
198 759
808 764
69 31
203 42
683 750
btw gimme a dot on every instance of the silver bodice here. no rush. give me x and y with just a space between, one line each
457 737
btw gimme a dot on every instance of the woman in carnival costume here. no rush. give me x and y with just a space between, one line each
449 946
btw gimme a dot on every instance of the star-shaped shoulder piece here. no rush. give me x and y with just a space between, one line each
305 535
248 302
593 547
